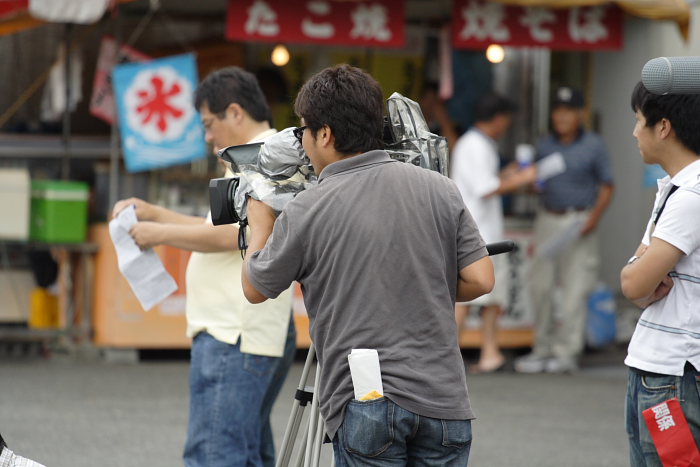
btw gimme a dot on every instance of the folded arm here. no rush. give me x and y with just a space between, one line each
645 280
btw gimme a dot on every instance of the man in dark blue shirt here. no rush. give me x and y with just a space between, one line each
566 240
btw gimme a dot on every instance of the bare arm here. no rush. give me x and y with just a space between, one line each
201 237
512 179
646 280
475 280
261 218
605 195
146 211
161 226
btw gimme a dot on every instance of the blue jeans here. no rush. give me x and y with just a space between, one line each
647 390
267 443
226 392
380 433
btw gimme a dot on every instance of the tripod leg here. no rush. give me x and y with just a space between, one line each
313 421
318 441
299 462
295 417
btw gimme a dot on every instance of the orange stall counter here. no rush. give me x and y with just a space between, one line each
119 321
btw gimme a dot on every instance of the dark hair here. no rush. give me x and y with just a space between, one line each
490 105
350 102
230 85
682 110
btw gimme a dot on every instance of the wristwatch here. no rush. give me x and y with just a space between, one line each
632 259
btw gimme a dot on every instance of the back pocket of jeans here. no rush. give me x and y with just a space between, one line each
368 427
456 433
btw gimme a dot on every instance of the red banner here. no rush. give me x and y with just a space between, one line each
478 24
671 434
378 23
10 8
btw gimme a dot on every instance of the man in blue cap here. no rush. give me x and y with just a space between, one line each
566 239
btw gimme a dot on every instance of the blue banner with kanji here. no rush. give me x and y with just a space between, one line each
158 123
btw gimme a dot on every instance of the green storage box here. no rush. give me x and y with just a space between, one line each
58 211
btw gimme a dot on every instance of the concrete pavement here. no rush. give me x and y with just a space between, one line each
86 412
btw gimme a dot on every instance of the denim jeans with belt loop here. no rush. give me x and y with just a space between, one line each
226 393
645 390
381 433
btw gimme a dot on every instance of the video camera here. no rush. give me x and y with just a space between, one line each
276 170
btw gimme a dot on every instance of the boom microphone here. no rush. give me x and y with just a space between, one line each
672 75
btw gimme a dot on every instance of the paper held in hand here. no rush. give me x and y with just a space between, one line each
365 373
550 166
143 269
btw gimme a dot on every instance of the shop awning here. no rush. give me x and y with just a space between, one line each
15 17
674 10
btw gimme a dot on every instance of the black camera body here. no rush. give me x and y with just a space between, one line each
276 170
273 171
222 192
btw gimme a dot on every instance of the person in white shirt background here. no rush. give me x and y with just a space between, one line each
476 171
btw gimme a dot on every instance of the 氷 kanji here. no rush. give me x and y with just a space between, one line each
369 22
484 21
534 19
318 30
155 104
261 20
664 423
586 25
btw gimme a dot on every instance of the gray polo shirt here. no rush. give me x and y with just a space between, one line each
377 247
587 167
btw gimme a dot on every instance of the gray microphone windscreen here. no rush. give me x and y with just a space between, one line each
672 75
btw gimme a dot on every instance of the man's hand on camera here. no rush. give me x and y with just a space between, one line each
261 217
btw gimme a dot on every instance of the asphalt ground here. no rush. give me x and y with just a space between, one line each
85 410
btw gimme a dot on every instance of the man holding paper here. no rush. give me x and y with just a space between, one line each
566 241
382 249
236 371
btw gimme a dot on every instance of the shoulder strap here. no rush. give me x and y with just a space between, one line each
663 205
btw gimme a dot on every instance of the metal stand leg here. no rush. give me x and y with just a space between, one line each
309 451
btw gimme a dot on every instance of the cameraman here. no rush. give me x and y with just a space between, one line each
663 276
236 371
382 249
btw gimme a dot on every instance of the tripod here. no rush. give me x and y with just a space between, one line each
309 452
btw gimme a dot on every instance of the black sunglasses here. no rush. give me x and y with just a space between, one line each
299 133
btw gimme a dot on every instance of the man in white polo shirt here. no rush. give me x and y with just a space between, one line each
663 276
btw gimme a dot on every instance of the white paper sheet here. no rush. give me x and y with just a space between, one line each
550 166
365 372
143 269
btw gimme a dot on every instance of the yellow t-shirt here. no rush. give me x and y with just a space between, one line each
216 304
